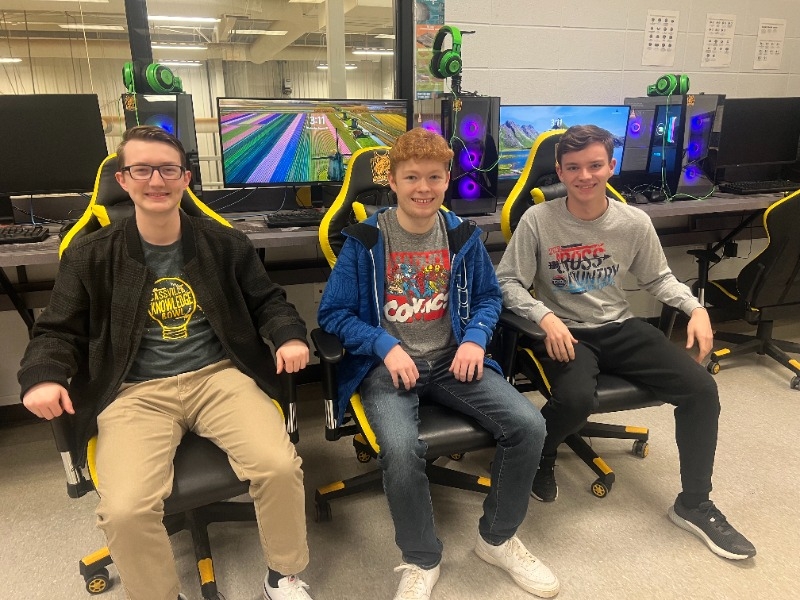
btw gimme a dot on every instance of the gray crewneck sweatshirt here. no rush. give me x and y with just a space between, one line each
573 268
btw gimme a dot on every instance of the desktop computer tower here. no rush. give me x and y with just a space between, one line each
175 114
702 126
471 125
654 142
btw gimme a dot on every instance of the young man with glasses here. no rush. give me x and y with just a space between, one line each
155 327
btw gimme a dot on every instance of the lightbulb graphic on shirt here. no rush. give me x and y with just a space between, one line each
172 305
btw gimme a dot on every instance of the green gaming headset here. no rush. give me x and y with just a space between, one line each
159 79
668 85
446 63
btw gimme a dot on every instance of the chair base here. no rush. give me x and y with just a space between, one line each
374 481
94 567
761 343
605 475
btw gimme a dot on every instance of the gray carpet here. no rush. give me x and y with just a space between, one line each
622 546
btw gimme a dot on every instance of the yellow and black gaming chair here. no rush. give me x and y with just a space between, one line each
203 476
445 432
767 288
613 393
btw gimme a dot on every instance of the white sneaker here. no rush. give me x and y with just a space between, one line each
289 588
416 583
529 572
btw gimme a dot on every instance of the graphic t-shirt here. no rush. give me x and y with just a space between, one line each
416 307
177 337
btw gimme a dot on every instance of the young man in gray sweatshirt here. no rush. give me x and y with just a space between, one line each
573 253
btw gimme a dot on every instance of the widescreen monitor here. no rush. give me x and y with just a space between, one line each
288 142
51 143
520 125
758 131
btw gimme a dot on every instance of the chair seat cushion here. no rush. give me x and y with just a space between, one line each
203 475
446 431
615 393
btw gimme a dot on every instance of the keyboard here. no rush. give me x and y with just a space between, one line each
759 187
21 234
301 217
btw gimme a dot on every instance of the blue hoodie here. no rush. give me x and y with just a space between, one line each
352 303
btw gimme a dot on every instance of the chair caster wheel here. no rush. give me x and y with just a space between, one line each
713 367
457 456
600 488
641 448
98 582
322 512
795 383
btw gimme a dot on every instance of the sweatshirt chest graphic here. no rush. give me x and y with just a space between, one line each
580 268
417 286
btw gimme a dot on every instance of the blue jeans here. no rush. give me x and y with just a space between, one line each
510 417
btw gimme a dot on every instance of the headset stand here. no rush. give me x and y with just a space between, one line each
455 84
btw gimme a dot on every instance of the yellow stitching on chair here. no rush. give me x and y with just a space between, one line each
206 210
279 407
615 194
724 291
206 570
100 213
361 417
538 367
516 191
537 195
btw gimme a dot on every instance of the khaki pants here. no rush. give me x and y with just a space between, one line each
137 437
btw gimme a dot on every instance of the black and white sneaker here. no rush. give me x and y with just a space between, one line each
709 524
545 488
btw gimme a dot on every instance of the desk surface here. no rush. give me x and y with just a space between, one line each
46 252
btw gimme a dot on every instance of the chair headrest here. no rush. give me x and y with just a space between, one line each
366 182
111 203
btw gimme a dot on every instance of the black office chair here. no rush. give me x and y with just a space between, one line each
446 432
767 288
613 393
203 477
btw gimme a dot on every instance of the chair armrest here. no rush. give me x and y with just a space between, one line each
288 404
521 325
329 348
77 484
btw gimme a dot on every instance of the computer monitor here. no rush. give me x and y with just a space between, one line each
758 131
654 143
520 125
300 142
51 143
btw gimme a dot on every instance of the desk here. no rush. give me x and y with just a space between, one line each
20 256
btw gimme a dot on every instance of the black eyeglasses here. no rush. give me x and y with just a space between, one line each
145 172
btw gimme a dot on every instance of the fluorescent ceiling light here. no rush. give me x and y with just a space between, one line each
307 1
373 51
10 60
93 27
180 63
176 47
76 1
348 67
209 20
258 32
384 36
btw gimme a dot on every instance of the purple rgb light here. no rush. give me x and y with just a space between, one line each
471 128
692 173
468 188
694 150
432 126
470 158
166 122
698 122
635 126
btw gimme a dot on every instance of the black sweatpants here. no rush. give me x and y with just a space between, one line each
639 352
